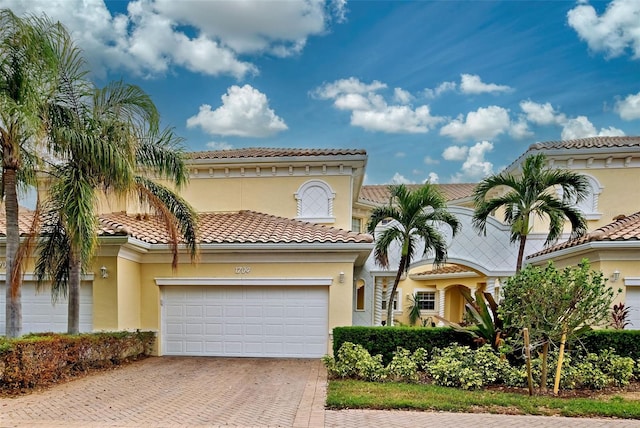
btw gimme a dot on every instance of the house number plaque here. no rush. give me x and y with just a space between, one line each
240 270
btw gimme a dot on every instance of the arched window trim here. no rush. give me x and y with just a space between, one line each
596 189
327 217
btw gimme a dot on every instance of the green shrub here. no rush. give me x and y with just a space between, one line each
353 361
386 340
463 367
421 358
403 367
591 371
625 343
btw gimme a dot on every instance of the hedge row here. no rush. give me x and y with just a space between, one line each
42 359
385 340
625 342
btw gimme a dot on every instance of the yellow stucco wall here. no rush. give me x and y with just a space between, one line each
105 295
129 302
266 194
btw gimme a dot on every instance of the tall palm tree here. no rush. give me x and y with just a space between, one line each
415 216
533 193
102 144
28 64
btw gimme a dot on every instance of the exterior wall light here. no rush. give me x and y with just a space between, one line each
341 277
615 275
103 272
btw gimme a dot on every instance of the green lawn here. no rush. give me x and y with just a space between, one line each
350 394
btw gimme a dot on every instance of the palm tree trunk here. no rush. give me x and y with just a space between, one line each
403 260
73 316
12 277
523 241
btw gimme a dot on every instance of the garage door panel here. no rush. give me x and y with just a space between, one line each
246 321
39 314
632 301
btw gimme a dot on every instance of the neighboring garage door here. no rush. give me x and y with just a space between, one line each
632 301
245 321
40 315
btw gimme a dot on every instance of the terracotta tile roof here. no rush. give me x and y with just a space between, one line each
623 229
233 228
25 220
588 143
379 193
262 152
445 270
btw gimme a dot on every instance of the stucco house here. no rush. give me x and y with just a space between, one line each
284 258
276 259
612 167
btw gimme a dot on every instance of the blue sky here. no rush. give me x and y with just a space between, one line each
444 90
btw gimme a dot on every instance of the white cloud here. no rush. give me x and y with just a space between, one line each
148 39
395 119
433 178
401 96
472 84
542 114
400 154
455 153
520 129
615 31
485 123
629 108
346 87
244 112
475 166
440 89
400 179
581 127
428 160
370 111
219 145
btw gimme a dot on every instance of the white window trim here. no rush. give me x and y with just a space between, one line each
436 303
397 300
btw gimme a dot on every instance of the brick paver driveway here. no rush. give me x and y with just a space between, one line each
178 391
241 392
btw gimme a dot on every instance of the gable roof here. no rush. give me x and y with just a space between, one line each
232 228
263 152
589 143
624 229
445 270
379 193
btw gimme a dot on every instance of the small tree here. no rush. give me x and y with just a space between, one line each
552 302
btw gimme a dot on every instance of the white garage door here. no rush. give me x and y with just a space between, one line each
40 315
245 321
632 301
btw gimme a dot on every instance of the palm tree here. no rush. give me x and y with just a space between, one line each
534 193
27 77
415 216
102 143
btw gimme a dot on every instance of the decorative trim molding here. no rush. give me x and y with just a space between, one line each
306 282
632 281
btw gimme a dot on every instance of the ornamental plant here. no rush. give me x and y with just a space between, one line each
554 303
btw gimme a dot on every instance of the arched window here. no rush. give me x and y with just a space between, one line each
589 206
315 202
